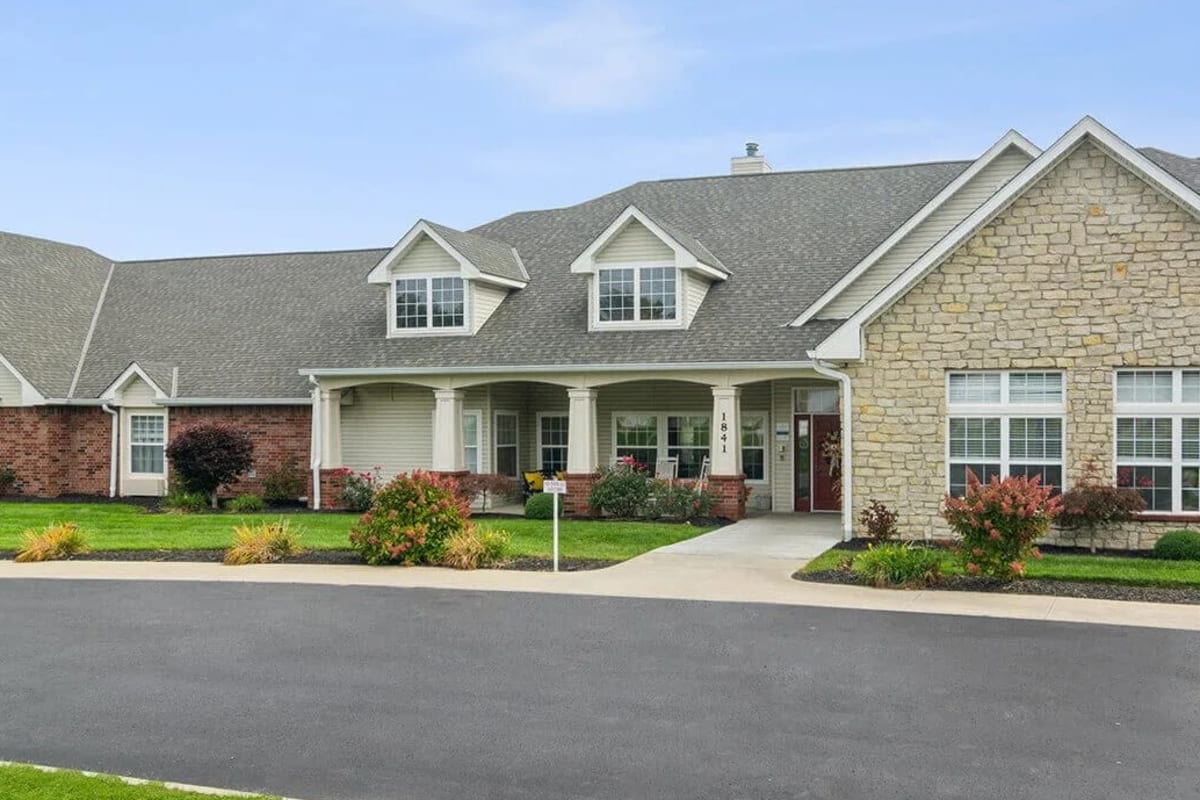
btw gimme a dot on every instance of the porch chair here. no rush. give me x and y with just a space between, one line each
667 468
702 479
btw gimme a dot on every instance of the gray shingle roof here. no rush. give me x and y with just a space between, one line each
491 257
48 295
1185 169
241 326
691 243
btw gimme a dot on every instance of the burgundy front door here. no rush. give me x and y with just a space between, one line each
824 485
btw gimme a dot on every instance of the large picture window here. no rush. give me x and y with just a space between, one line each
552 441
687 437
147 444
1004 423
1157 433
430 303
637 294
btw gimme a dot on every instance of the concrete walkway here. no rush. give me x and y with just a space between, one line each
660 574
793 536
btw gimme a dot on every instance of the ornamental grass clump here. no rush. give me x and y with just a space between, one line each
265 543
59 540
998 523
473 548
898 565
410 520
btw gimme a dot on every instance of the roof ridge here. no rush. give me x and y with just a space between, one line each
250 255
814 171
85 248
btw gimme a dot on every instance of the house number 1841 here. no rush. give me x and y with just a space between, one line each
724 434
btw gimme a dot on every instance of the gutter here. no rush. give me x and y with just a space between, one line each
740 366
234 401
112 455
826 369
316 444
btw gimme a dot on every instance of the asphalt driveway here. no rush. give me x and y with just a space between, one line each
337 692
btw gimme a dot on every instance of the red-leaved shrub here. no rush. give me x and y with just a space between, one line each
410 520
999 522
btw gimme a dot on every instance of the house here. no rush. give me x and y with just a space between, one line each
866 333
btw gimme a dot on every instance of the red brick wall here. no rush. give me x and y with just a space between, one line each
729 496
56 450
278 433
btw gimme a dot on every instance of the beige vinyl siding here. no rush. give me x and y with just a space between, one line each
695 289
424 257
10 388
635 244
485 299
929 232
781 452
136 393
389 426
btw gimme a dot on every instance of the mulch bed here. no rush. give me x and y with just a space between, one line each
1091 591
317 557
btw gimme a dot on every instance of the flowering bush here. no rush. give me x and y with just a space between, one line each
622 490
676 501
410 520
999 521
358 488
880 521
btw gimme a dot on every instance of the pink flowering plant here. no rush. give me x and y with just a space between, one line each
357 488
410 520
998 523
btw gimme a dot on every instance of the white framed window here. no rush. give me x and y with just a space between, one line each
429 304
636 436
147 444
638 294
1156 433
472 431
506 431
754 447
1005 423
552 442
689 441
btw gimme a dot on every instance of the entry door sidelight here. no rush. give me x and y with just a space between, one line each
802 456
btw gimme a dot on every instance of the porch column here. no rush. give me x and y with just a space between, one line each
448 456
327 449
583 454
331 428
727 483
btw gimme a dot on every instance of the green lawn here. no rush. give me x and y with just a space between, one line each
111 526
1094 569
19 782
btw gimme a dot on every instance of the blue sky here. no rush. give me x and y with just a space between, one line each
158 129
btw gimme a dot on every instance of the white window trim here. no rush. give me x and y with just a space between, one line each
663 447
478 415
1006 411
1176 411
766 445
148 412
501 412
428 330
541 459
637 322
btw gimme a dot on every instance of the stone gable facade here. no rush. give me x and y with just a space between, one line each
1088 271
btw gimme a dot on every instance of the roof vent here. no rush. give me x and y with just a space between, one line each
750 164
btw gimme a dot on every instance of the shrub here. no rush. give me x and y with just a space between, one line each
621 491
184 502
358 489
410 520
1093 503
1178 546
209 455
58 540
264 543
284 483
540 506
898 565
879 522
998 523
8 480
681 501
472 549
246 504
477 486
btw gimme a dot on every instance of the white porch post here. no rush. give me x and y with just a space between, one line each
331 428
727 430
583 455
448 455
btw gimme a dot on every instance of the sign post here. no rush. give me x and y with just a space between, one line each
555 488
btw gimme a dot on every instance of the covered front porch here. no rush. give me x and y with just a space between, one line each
760 436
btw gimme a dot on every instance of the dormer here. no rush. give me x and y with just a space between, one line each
645 274
446 282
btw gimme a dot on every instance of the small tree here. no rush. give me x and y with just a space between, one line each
479 485
999 521
1095 503
208 456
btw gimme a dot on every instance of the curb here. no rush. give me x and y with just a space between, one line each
183 787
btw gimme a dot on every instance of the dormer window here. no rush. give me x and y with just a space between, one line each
637 294
429 303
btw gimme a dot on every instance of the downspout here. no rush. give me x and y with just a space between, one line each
824 368
112 453
316 443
